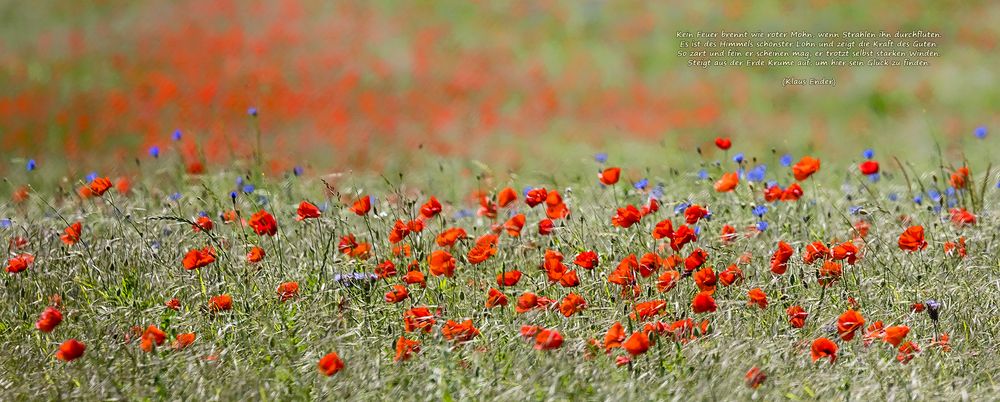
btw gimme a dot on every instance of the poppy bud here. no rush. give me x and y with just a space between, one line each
932 308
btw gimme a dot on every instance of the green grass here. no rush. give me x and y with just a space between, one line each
265 349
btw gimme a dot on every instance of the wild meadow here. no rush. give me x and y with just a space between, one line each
384 200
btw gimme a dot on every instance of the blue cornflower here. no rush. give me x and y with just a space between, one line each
874 177
697 230
757 173
893 196
252 112
786 160
657 191
641 184
760 210
934 194
854 210
91 176
239 181
952 202
175 196
950 191
463 213
738 158
918 199
154 151
248 188
324 206
5 223
31 165
601 157
762 226
980 132
868 154
681 207
233 195
998 184
526 190
177 135
202 213
703 174
297 170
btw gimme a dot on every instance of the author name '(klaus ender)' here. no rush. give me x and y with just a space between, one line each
808 81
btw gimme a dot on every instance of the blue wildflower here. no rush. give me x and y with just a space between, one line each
91 176
202 214
177 135
463 213
934 194
526 190
601 157
233 195
248 188
854 210
760 210
762 226
738 158
893 197
239 181
175 196
918 199
757 173
697 230
681 207
31 165
324 206
5 223
703 174
950 191
641 184
252 112
154 151
874 177
297 170
868 154
980 132
786 160
657 192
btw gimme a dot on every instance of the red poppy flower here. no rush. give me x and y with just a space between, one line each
815 252
71 234
229 216
405 349
509 278
288 290
683 235
703 303
486 247
536 196
548 339
648 309
529 301
223 302
151 338
263 223
586 259
797 316
723 143
529 331
614 337
626 217
805 168
545 227
962 217
173 304
429 210
495 298
506 197
418 318
569 279
572 304
415 278
773 193
399 232
758 298
912 239
306 211
636 344
706 280
868 167
99 186
515 224
728 234
330 364
49 319
663 229
441 263
20 263
829 273
459 332
694 213
652 206
754 378
895 335
727 182
256 254
364 204
907 352
70 350
848 323
695 260
956 248
846 251
731 275
792 193
183 340
624 274
959 178
610 176
203 223
448 237
824 347
555 208
197 258
649 264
